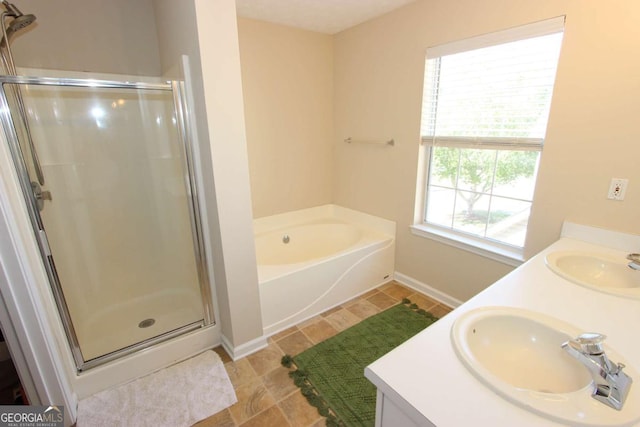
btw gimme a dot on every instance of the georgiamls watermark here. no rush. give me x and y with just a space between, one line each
31 416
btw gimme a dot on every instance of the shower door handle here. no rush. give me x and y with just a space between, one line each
40 195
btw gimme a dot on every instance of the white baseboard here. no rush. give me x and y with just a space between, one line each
427 290
244 349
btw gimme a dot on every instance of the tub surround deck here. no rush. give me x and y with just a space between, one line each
314 259
426 383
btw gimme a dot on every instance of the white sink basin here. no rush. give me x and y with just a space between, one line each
518 354
599 271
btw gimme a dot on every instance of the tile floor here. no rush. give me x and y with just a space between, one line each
266 395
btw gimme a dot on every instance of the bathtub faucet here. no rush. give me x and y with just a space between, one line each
635 261
611 385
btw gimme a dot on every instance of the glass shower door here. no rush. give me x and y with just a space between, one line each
117 216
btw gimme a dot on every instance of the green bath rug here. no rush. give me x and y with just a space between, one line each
331 374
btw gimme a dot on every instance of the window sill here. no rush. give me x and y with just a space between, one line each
508 256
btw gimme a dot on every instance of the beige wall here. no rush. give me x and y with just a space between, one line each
117 36
593 133
287 79
220 58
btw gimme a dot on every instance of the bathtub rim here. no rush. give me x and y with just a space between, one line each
358 233
302 216
270 272
374 230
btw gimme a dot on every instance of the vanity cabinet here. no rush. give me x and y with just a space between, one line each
388 414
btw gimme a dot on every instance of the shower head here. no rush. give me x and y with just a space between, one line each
20 20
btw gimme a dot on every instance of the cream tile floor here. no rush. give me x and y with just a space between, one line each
266 395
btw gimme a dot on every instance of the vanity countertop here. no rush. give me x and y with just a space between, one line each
427 381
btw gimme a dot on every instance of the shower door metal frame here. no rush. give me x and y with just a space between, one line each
182 113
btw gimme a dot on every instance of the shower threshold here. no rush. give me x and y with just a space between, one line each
142 345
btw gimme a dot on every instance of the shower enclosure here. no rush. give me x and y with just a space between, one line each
107 171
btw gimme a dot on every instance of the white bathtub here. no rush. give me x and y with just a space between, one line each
331 254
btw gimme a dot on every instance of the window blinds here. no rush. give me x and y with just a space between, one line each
492 96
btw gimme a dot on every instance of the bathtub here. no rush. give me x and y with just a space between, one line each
314 259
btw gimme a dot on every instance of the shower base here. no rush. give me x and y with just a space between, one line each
138 320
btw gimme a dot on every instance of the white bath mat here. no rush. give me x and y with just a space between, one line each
179 395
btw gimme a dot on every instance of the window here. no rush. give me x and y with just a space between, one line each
484 116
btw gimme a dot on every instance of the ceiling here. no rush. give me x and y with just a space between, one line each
324 16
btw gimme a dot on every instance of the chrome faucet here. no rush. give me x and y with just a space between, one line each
635 261
611 385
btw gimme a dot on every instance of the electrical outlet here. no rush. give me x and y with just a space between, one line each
617 188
